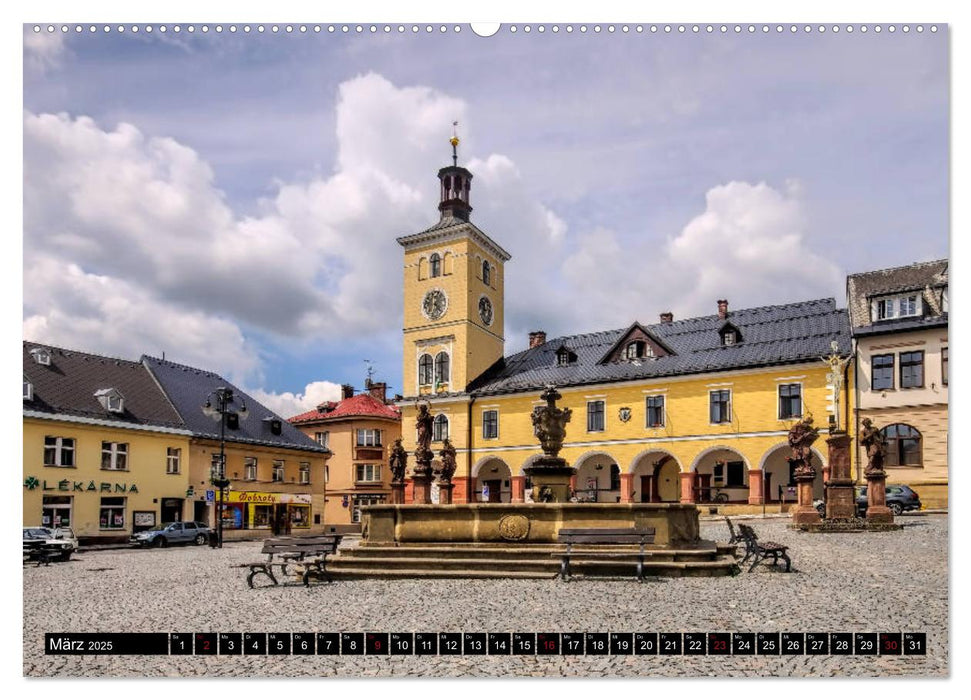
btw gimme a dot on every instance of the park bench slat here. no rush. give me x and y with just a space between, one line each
309 551
759 551
605 535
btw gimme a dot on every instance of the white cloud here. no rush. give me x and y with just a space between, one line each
287 404
43 50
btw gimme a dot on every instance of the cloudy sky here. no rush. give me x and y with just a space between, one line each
232 200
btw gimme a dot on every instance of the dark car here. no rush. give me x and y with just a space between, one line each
173 533
900 498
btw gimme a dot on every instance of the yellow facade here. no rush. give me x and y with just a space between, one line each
104 503
472 344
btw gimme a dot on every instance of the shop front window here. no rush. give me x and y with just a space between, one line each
112 513
56 511
262 516
300 516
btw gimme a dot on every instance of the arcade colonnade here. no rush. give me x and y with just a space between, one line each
723 472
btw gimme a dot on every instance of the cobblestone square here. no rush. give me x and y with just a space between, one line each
859 582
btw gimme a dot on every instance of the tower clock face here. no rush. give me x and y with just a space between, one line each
485 310
434 304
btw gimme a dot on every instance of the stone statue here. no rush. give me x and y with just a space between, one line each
448 462
423 422
875 444
801 437
398 461
546 494
549 422
835 377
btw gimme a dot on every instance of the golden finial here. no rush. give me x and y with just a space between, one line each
455 142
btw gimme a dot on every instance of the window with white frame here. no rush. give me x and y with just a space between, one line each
490 424
881 369
279 471
435 265
28 390
112 513
912 369
58 451
41 356
595 416
367 473
896 307
114 455
368 437
368 500
655 411
249 468
441 368
720 406
173 460
305 472
326 473
440 428
790 401
323 438
425 368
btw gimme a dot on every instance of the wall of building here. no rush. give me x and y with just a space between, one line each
934 391
144 485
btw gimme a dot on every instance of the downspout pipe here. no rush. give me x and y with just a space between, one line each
469 495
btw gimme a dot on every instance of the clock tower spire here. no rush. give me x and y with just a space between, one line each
453 294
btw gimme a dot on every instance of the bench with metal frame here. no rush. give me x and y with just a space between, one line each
604 535
759 551
308 552
735 537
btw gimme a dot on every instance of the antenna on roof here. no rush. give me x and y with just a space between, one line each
370 373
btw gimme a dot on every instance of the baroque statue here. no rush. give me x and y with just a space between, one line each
875 444
549 422
398 460
423 422
801 437
448 462
834 377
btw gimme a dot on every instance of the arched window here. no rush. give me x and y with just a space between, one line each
425 369
440 428
486 273
435 264
903 446
441 368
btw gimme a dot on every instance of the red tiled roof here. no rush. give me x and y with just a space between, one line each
363 405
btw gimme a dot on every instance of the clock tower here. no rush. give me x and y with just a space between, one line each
453 295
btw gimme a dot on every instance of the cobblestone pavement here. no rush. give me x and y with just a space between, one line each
860 582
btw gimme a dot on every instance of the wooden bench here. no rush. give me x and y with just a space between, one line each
310 553
760 551
605 535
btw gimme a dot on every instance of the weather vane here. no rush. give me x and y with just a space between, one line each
455 143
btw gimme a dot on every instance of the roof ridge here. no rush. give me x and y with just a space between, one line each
926 263
80 352
170 363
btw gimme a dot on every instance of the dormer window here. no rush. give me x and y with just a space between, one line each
28 390
274 424
111 400
564 357
730 335
728 338
903 306
42 356
638 349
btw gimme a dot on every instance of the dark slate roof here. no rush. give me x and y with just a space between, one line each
67 386
902 325
772 335
188 387
929 278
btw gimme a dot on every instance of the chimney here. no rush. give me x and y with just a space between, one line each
378 390
537 338
667 317
723 308
347 391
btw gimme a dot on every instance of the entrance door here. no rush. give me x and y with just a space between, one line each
647 489
171 510
766 486
495 490
703 485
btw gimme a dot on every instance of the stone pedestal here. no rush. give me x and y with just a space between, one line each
840 497
804 513
756 490
423 487
687 487
397 493
445 493
551 479
876 496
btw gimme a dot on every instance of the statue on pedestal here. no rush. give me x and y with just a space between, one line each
448 462
549 422
801 437
423 422
835 378
398 460
875 444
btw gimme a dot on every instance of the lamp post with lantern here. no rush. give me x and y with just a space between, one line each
224 409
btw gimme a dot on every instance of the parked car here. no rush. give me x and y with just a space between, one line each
43 538
172 533
900 498
820 506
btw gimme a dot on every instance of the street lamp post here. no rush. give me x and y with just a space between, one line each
224 407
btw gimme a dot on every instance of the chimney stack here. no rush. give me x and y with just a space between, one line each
378 390
723 308
667 317
347 391
537 338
